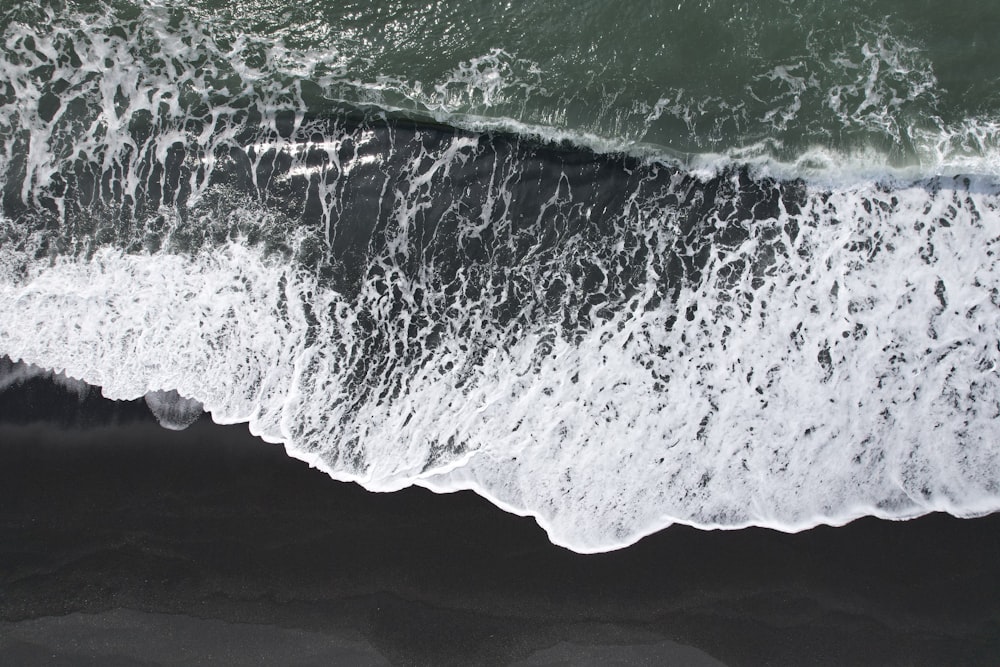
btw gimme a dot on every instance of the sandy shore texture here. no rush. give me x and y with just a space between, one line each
123 543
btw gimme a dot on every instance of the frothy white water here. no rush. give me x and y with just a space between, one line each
13 375
829 363
140 87
172 410
838 362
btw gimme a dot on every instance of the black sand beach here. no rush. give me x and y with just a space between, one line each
125 543
615 262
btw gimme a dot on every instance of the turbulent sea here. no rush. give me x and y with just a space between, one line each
611 266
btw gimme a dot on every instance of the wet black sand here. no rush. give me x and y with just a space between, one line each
124 543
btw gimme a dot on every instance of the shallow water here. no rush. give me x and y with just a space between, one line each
612 269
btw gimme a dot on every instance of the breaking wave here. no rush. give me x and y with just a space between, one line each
603 333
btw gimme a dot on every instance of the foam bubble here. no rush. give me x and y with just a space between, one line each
172 410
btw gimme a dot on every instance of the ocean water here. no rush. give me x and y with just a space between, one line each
611 267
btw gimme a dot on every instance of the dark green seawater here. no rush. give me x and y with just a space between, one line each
614 266
899 83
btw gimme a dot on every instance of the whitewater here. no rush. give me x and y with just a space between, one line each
449 285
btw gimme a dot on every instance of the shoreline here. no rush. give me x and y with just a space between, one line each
131 525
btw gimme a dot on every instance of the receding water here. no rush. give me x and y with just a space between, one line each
612 267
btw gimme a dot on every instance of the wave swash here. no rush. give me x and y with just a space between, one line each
610 337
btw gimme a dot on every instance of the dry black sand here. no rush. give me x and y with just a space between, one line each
129 544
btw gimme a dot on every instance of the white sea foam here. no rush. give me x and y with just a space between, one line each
840 361
869 111
172 410
14 375
845 372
